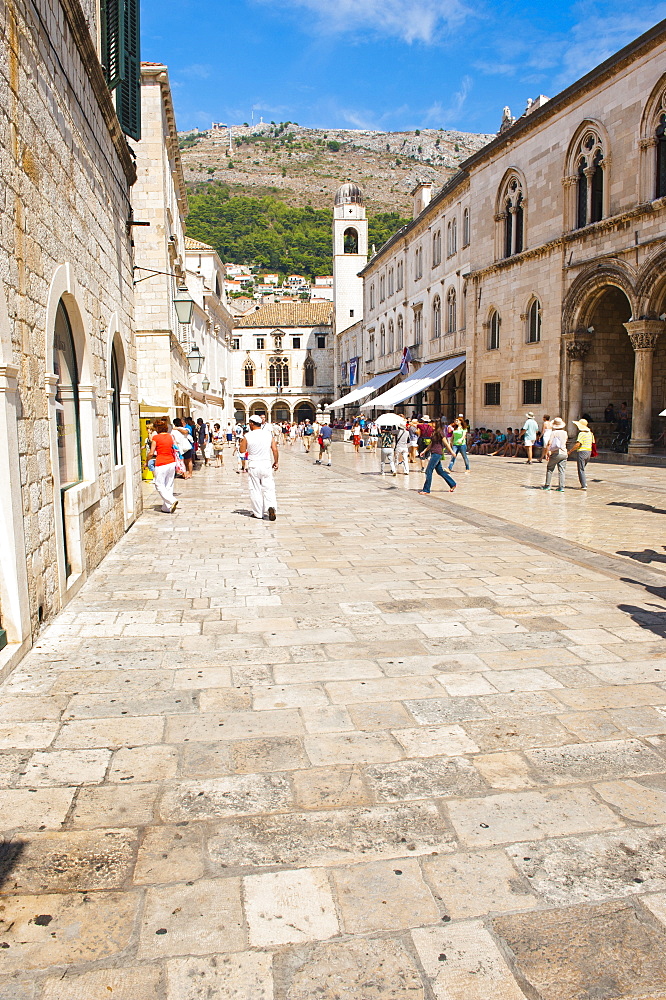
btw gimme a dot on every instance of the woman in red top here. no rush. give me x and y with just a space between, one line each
162 450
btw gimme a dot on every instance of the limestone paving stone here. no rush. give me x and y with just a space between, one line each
113 733
508 706
462 684
380 715
235 795
330 837
593 761
351 748
438 777
170 854
25 809
620 696
363 969
114 805
27 735
329 719
516 733
505 770
242 976
428 741
281 754
289 696
635 801
289 907
14 989
587 952
144 764
330 788
200 918
640 721
139 983
12 767
71 862
437 711
228 699
474 884
65 767
598 867
204 760
463 962
234 725
325 670
39 931
511 816
384 895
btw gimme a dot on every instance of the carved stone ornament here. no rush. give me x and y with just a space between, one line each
643 340
577 350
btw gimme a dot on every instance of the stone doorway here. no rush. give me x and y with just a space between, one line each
609 364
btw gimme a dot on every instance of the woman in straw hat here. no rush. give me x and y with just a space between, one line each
556 455
582 449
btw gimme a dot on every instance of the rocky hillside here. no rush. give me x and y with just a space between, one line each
305 166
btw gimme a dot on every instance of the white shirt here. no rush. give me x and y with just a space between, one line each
259 443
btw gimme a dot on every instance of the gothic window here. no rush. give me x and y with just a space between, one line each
278 373
371 347
661 157
452 237
399 281
400 338
418 263
534 322
382 288
493 331
511 215
309 370
418 327
590 179
248 371
436 318
390 281
350 240
372 296
382 340
451 324
437 248
465 231
391 337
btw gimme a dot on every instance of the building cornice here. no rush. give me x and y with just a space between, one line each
160 73
92 66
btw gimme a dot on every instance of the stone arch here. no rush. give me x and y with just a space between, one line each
589 285
65 287
259 406
240 413
350 240
511 213
651 286
120 416
280 410
304 410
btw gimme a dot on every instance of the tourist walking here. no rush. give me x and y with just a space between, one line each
436 449
546 432
413 428
387 444
308 434
163 450
373 435
184 445
583 450
556 455
262 462
218 445
402 449
531 429
325 438
426 430
458 444
356 436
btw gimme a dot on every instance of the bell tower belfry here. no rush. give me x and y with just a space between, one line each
350 254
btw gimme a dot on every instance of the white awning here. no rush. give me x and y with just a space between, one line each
361 391
415 383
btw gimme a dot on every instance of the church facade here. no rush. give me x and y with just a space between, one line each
542 263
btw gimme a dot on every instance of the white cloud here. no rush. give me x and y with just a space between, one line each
409 20
443 114
595 38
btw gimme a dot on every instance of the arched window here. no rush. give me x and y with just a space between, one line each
400 337
115 409
453 236
661 157
218 290
382 340
512 211
418 263
493 331
351 240
391 282
391 337
418 326
399 275
309 371
67 401
278 373
465 230
372 297
436 318
534 322
451 323
589 159
437 248
382 288
248 371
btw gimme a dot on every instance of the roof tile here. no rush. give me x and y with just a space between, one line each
280 314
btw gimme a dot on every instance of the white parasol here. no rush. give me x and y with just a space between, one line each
391 420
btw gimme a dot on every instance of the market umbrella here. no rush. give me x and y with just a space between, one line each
391 420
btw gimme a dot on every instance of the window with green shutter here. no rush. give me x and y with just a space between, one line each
121 57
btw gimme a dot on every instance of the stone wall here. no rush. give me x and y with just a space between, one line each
63 233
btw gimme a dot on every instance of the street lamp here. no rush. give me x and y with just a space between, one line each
184 304
205 383
196 360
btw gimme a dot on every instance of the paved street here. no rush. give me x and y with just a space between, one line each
387 747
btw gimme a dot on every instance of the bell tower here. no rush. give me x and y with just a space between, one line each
350 254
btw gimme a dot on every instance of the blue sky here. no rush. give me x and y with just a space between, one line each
382 64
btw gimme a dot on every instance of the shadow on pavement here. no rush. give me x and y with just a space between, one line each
637 506
10 854
653 621
244 513
646 556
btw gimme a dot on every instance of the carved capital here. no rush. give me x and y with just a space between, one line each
570 180
644 333
648 143
577 350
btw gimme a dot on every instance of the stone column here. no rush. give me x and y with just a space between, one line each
577 348
644 334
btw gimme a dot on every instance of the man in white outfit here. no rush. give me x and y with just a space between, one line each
262 461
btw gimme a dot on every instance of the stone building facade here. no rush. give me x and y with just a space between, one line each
68 402
166 261
283 361
555 282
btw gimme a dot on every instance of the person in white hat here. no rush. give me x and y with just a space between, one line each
531 429
556 455
262 462
582 449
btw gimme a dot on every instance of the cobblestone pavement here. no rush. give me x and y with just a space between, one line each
371 751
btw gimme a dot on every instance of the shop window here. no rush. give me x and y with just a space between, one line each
531 391
492 393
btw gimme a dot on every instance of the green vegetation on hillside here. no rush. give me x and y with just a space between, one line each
269 234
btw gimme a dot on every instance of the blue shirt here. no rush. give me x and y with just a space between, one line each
326 432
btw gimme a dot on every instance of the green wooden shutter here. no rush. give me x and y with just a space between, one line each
113 51
128 92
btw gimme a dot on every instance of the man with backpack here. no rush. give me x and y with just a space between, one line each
387 444
584 448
